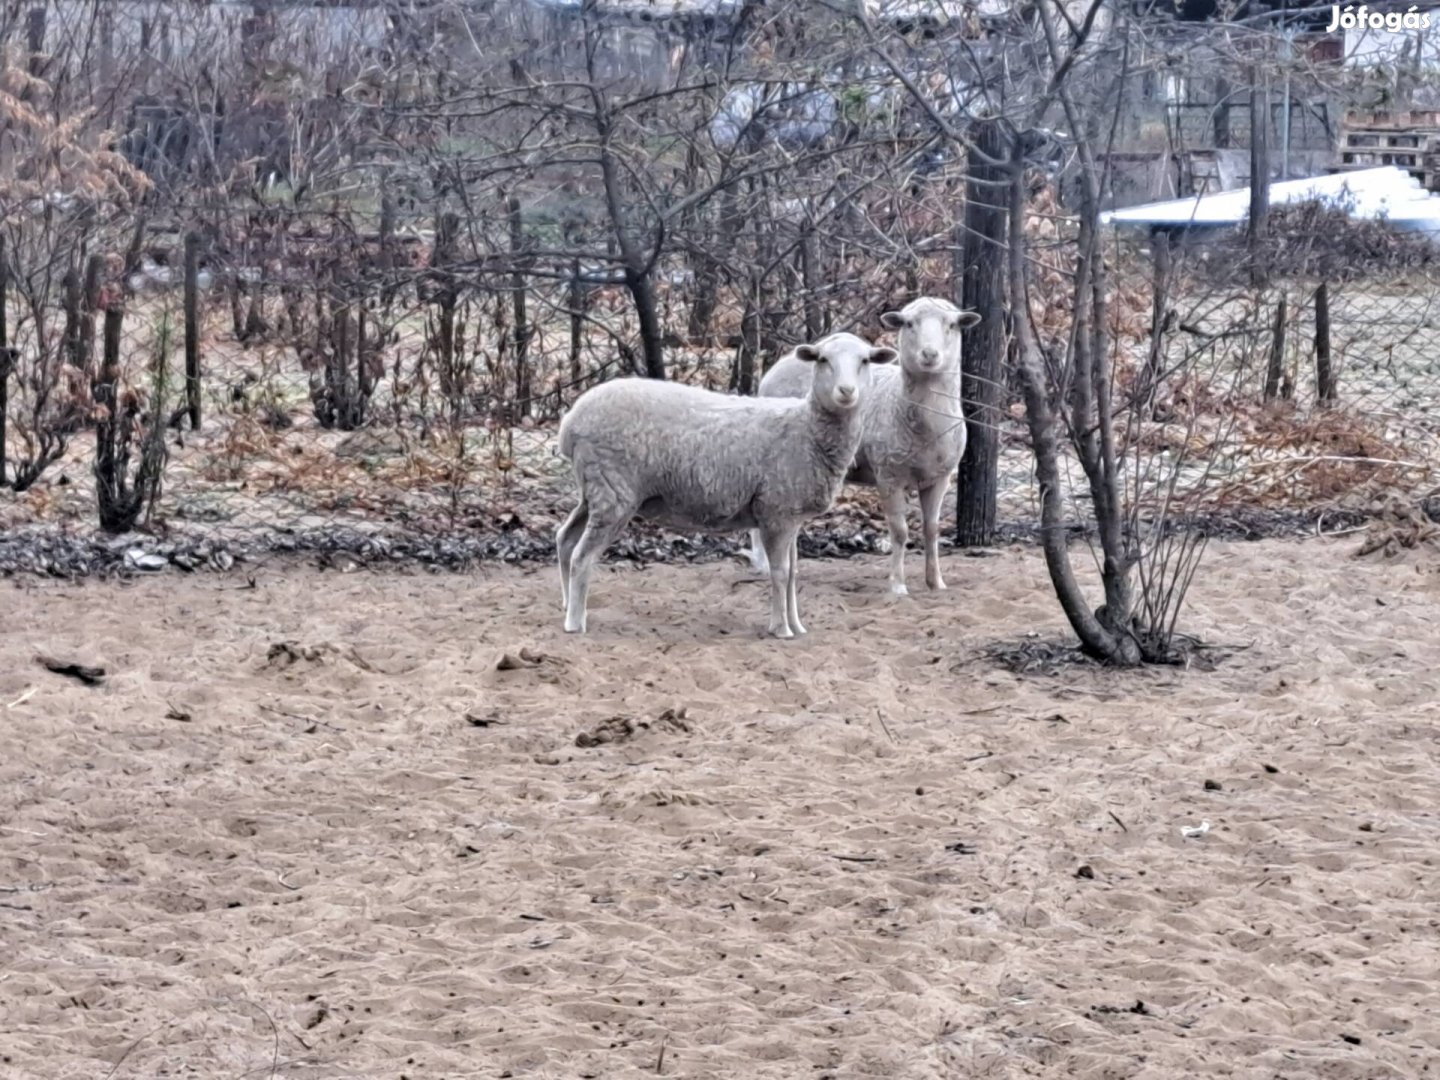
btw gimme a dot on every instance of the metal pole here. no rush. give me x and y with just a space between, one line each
1285 116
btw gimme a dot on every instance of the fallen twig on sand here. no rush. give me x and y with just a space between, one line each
26 696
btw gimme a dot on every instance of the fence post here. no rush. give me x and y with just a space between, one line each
1324 373
1277 351
192 327
983 359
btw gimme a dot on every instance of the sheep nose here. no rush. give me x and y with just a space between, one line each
846 393
930 356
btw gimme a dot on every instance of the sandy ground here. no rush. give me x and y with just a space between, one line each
372 854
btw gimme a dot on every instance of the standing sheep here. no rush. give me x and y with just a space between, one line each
694 459
914 429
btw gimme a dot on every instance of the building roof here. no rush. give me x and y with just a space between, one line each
1385 193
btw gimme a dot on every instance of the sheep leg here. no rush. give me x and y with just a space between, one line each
894 500
566 537
792 600
758 562
777 550
930 499
593 541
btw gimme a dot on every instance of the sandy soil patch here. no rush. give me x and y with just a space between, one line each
309 829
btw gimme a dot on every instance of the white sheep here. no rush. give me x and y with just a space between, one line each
914 430
694 459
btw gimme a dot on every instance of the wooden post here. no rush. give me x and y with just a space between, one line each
982 291
192 327
1277 351
1324 373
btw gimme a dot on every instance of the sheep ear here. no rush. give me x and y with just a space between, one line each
808 353
882 355
967 319
892 320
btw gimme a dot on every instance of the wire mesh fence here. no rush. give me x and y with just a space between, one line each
378 388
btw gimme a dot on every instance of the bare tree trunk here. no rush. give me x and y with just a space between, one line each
745 362
1276 366
1222 113
1095 637
652 343
112 444
810 282
982 291
639 265
1108 632
7 359
255 324
237 309
387 240
1160 284
94 270
74 302
452 382
522 321
1324 373
35 40
705 285
577 320
1259 172
192 327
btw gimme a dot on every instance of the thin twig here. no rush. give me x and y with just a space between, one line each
129 1049
26 696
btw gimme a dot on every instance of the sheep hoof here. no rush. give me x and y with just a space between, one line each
782 632
574 626
798 629
897 588
938 585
